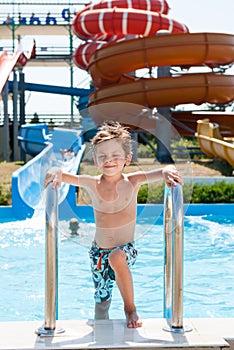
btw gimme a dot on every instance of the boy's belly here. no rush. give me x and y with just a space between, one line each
110 237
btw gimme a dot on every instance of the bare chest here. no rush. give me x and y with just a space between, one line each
115 198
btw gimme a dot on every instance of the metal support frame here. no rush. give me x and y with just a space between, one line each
173 266
173 259
6 135
14 134
163 130
71 72
14 26
51 289
22 107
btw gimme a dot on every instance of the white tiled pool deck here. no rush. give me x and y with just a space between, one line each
113 334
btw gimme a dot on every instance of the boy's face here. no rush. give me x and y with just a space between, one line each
110 157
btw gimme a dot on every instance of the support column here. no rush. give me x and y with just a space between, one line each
22 98
15 118
6 138
163 129
22 108
71 74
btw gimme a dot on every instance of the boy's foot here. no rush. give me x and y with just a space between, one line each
133 320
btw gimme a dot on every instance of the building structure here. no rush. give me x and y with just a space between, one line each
22 22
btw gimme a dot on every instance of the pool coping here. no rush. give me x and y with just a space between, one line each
213 333
152 210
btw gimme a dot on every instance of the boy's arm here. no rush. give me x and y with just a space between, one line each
56 176
169 173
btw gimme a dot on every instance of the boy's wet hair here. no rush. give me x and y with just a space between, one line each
110 130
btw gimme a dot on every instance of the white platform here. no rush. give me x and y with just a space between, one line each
113 334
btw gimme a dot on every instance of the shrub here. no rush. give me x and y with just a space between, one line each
219 192
151 194
5 196
144 151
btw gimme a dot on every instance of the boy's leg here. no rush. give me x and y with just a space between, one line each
102 310
103 283
123 277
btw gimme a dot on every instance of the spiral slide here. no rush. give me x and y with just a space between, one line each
122 37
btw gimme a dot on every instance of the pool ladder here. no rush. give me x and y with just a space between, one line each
51 275
173 261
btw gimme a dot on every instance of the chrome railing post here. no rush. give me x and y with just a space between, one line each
178 258
173 258
168 212
51 278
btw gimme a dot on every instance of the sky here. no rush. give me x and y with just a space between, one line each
198 15
204 15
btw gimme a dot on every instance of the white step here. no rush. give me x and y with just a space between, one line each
113 334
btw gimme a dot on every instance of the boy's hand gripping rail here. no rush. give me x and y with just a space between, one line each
173 256
51 288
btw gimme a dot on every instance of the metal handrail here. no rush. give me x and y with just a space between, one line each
51 278
173 258
173 265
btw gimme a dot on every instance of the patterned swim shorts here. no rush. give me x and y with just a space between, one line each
103 275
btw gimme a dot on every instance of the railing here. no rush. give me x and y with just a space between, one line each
173 264
53 120
173 267
51 280
41 50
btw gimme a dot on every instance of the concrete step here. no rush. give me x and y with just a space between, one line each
113 334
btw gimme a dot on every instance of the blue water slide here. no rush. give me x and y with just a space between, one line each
34 138
65 150
45 147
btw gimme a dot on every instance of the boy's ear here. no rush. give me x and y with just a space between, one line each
128 159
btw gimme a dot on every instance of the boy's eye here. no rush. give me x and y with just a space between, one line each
102 158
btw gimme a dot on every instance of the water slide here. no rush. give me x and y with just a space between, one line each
212 143
27 181
8 62
44 146
190 118
122 37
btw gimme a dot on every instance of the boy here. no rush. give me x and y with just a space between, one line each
74 226
114 200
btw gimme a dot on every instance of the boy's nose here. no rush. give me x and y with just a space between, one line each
108 159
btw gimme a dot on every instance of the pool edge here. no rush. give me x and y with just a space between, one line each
113 334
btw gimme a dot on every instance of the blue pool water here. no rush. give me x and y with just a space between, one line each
208 270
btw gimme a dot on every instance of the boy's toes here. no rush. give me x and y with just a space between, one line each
133 320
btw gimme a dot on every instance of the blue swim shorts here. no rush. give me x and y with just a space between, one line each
103 275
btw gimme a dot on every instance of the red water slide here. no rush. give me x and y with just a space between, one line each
9 62
121 37
109 22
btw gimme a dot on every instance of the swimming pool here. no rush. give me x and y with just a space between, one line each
208 269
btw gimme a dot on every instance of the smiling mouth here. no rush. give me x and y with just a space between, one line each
109 166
